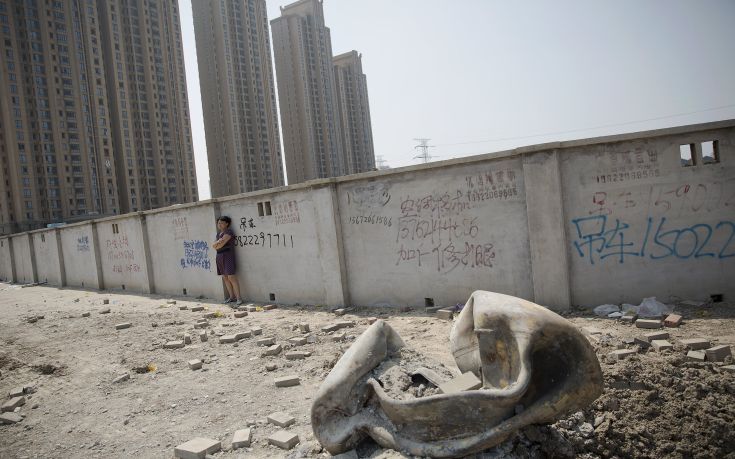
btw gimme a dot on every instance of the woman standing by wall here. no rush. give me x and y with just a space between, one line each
225 247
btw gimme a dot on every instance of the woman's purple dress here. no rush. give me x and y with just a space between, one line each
226 254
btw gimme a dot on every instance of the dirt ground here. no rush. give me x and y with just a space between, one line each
654 404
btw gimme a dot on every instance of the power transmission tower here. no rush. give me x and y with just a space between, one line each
381 163
424 146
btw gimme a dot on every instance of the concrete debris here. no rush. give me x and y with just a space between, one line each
105 311
696 344
430 375
656 335
86 314
225 339
297 341
12 404
240 314
174 344
271 366
696 356
339 336
183 307
728 368
273 350
171 302
621 354
661 345
287 381
251 308
281 419
284 439
304 328
121 378
197 448
256 331
467 381
718 353
105 301
242 335
242 438
297 355
270 341
196 308
187 339
647 323
195 364
123 326
269 307
203 336
10 418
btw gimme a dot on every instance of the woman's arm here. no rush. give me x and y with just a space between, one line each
219 243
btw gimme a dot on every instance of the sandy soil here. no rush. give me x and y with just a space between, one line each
654 405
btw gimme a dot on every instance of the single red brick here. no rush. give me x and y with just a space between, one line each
673 320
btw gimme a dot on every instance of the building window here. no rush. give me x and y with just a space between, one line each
710 152
686 155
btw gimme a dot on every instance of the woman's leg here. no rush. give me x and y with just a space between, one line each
235 285
228 285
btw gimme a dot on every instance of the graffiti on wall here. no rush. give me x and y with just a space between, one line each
196 255
627 166
118 251
374 195
246 222
287 212
83 244
265 240
181 228
599 237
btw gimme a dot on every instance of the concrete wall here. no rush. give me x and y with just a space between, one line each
23 257
641 224
47 252
78 248
437 234
7 268
180 240
585 222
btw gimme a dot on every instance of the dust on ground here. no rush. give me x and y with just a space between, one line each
654 404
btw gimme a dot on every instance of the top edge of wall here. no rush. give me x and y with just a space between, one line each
319 183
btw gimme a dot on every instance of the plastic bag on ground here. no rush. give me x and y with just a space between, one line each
605 309
650 307
627 307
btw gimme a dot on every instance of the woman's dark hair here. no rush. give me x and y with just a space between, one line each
225 219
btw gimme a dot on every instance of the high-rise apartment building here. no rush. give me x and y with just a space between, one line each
94 116
353 112
302 47
238 95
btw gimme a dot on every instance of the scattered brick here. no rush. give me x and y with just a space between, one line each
696 356
121 378
12 404
304 328
10 418
174 344
123 326
242 438
273 350
330 328
284 439
242 335
673 320
661 345
297 341
256 331
227 339
187 339
183 307
240 314
642 343
270 341
271 366
171 302
340 312
105 301
86 314
251 308
105 311
346 323
287 381
197 448
445 313
281 419
201 324
696 344
729 368
339 336
210 315
467 381
203 336
430 375
268 307
718 353
629 318
646 323
195 364
310 338
656 336
196 308
296 355
620 354
16 392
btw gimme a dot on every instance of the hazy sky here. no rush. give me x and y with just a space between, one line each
477 76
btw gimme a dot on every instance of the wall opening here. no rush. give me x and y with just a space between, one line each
123 286
43 238
184 292
273 296
268 208
710 152
260 210
716 297
429 302
686 154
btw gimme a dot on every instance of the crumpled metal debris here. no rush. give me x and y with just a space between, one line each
535 368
